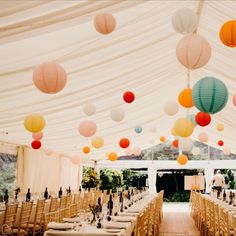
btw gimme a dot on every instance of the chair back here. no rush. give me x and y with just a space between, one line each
38 219
64 213
9 217
53 204
73 210
63 201
50 217
234 223
68 200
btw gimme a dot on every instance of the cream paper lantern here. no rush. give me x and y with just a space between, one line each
128 151
171 108
195 151
185 144
89 109
137 151
117 114
227 151
184 21
203 137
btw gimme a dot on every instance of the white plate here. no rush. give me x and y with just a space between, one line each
113 230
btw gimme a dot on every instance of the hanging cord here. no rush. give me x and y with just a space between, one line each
188 86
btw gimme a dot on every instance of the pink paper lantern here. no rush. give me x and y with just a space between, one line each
49 77
128 151
76 160
137 151
234 100
87 128
203 137
193 51
48 152
37 136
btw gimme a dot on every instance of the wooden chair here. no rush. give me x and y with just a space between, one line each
68 200
224 223
53 205
64 213
234 223
50 217
9 219
63 201
73 210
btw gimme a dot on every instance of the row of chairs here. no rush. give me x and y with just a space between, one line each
210 217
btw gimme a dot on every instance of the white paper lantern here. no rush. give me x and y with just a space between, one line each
117 114
185 21
185 144
153 129
203 137
195 151
137 151
171 108
89 109
76 160
227 151
128 151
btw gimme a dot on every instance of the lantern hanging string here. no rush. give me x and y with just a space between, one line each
188 86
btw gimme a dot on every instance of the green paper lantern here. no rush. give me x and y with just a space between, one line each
210 95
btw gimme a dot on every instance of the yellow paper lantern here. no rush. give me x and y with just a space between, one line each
162 139
220 127
112 156
183 127
182 159
97 142
34 123
173 132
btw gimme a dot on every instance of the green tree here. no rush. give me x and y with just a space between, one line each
90 178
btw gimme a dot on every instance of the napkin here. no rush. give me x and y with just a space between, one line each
133 210
123 218
59 226
128 214
71 220
114 225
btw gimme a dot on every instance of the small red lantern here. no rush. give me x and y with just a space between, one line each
124 143
36 144
175 143
221 143
203 119
128 97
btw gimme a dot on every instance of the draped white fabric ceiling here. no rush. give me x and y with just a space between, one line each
139 56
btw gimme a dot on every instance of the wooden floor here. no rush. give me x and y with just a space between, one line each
177 220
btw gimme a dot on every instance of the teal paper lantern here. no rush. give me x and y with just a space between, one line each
138 129
192 118
210 95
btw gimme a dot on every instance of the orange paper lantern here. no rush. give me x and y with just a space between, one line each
182 159
86 150
105 23
112 156
228 33
185 98
162 139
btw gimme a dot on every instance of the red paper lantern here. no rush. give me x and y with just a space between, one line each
36 144
128 97
124 143
203 119
175 143
220 142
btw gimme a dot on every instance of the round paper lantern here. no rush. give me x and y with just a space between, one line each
185 144
220 127
171 108
173 132
193 51
137 151
228 33
34 123
112 156
128 97
192 118
203 137
104 23
48 152
124 143
138 129
182 159
128 151
97 142
175 143
226 151
220 142
86 150
89 109
185 98
37 136
185 21
49 77
195 151
210 95
87 128
153 129
117 114
162 139
183 127
234 100
203 119
36 144
76 160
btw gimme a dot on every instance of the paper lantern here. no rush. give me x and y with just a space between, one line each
117 114
89 109
86 150
105 23
234 100
203 137
124 143
48 152
193 51
195 151
175 143
87 128
36 144
37 136
210 95
128 151
171 108
112 156
49 77
185 21
203 119
182 159
138 129
220 127
226 151
183 127
185 98
137 151
185 144
228 33
76 160
220 142
153 129
128 97
173 132
97 142
34 123
192 118
162 139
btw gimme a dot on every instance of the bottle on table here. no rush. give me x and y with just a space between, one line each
69 191
46 193
60 192
80 189
110 205
99 206
121 202
224 196
129 196
6 197
28 195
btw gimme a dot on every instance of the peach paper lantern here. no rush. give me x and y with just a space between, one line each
76 160
49 77
87 128
203 137
48 152
37 136
220 127
97 142
182 159
104 23
227 151
137 151
128 151
89 109
193 51
34 123
171 108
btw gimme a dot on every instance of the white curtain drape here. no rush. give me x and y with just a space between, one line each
152 171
